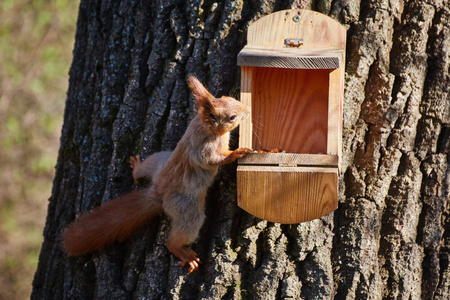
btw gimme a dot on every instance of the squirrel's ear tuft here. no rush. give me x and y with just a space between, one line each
202 96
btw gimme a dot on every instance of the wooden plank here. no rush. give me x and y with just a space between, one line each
301 169
334 107
341 110
285 196
291 52
246 126
301 62
298 159
289 58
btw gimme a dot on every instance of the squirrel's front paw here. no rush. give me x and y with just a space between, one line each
240 152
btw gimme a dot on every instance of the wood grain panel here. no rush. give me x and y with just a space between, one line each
286 194
290 109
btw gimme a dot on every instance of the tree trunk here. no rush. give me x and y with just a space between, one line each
390 236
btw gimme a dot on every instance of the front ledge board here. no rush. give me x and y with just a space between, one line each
287 195
288 188
292 159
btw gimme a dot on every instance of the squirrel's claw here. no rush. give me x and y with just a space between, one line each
190 257
193 265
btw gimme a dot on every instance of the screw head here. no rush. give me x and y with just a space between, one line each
296 18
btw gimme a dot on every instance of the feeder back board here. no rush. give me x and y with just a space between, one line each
292 73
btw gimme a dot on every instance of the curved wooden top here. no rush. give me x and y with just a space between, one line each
317 30
318 41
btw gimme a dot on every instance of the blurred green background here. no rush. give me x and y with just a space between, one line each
36 43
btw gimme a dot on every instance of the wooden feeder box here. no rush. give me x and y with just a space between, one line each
292 78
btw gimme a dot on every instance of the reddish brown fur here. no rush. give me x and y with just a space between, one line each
114 220
180 182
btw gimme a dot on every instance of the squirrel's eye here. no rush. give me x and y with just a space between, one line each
233 117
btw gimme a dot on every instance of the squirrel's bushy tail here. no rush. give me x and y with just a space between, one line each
114 220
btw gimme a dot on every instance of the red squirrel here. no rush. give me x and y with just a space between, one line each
180 180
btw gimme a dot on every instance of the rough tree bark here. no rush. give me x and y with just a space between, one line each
389 238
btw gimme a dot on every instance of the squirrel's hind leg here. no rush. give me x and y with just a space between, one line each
176 243
149 168
186 218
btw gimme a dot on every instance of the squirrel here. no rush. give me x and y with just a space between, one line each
179 182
